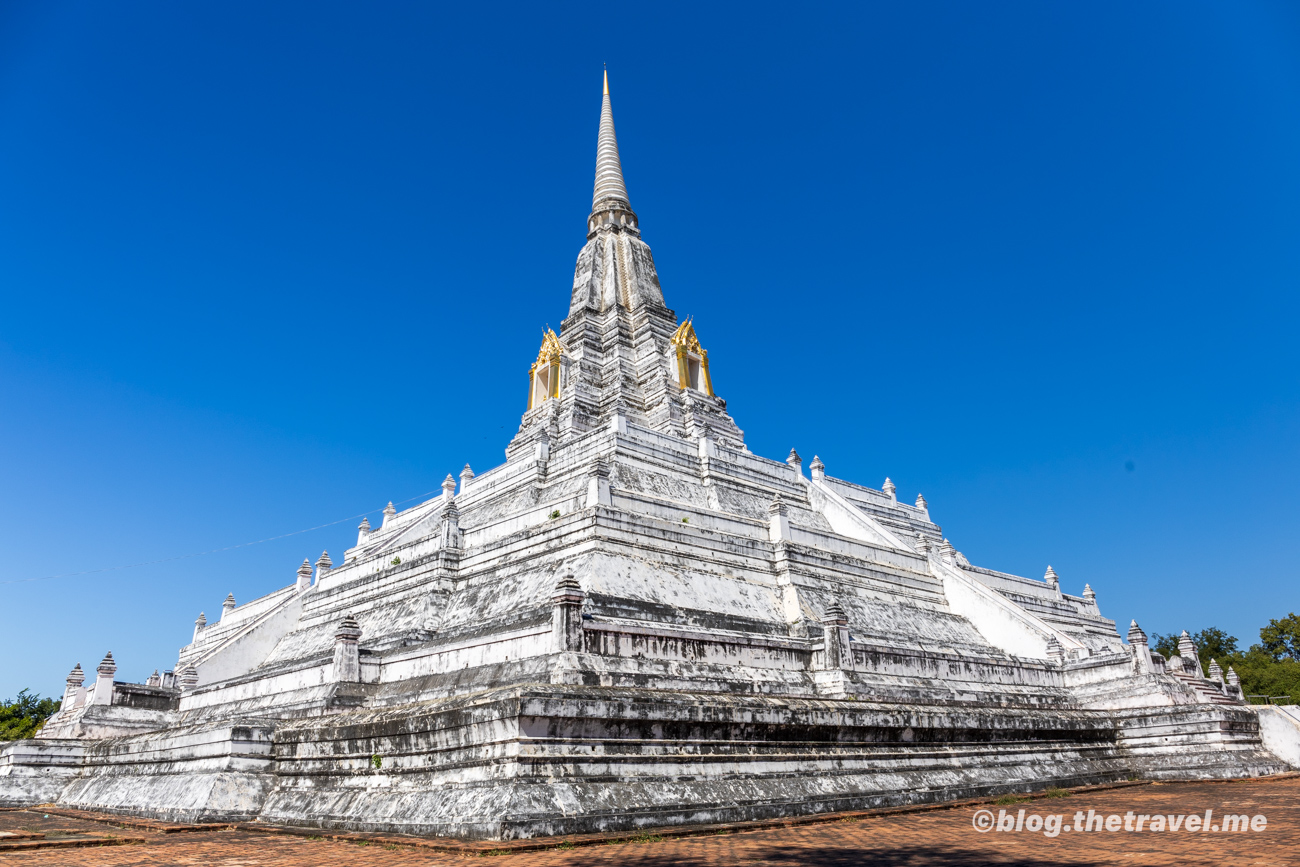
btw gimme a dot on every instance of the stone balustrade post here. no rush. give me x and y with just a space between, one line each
347 655
76 678
566 615
542 446
104 681
323 565
778 521
835 639
451 524
1140 648
1055 652
1191 658
304 576
598 491
1216 672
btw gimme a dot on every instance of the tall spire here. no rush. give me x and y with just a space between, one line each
609 203
609 171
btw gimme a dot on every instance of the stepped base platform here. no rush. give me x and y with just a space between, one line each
544 760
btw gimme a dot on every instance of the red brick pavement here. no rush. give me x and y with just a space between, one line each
943 837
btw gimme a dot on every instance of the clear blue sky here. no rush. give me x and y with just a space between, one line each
267 266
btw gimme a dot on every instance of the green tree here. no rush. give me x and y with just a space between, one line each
24 716
1270 668
1165 644
1212 643
1281 638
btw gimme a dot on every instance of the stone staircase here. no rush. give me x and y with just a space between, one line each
1207 690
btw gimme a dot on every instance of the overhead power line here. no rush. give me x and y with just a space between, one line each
205 553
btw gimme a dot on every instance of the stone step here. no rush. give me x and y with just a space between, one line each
1205 688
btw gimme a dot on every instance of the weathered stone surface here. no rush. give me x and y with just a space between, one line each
633 622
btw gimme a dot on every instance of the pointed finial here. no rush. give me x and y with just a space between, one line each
1051 578
1055 652
364 526
888 487
348 629
922 504
834 615
449 485
1216 671
1089 593
450 511
817 468
389 512
777 506
304 575
610 192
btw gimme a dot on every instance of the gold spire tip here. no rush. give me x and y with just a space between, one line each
606 82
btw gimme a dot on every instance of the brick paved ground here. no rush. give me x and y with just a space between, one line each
931 838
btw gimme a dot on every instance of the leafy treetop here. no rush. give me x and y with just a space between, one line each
23 716
1281 638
